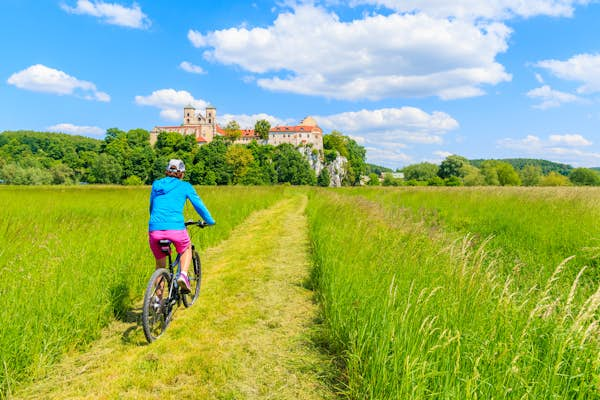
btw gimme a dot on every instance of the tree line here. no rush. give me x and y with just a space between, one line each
456 170
126 157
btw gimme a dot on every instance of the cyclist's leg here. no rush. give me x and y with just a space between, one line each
160 257
185 259
183 245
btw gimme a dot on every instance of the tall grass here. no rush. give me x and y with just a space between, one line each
72 259
416 312
532 229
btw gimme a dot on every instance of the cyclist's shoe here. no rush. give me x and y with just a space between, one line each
184 283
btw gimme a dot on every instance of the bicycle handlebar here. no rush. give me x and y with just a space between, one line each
200 224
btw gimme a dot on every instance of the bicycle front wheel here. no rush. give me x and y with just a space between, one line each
156 310
195 277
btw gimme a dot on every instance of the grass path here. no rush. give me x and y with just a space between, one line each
247 336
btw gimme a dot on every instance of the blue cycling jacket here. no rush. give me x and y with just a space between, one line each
167 200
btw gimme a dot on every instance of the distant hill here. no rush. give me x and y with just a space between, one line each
377 169
520 163
596 169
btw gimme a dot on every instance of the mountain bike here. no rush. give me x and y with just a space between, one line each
163 295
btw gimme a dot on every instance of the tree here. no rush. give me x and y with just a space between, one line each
215 166
138 138
292 167
451 166
18 175
233 131
554 179
324 178
507 176
490 173
584 177
436 181
453 181
238 158
113 133
356 161
531 175
106 169
373 179
389 180
61 174
472 176
262 129
421 172
133 181
335 141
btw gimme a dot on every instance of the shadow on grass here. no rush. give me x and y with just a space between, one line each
124 311
134 334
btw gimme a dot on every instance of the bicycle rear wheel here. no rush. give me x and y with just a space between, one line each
195 277
156 310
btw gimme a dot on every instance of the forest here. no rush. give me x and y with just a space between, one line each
126 157
42 158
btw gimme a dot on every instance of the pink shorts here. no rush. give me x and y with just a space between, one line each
181 240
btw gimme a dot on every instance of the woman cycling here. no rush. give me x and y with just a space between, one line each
167 200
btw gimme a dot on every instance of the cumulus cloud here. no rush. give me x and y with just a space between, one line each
77 130
387 156
551 98
39 78
170 102
311 51
392 125
387 132
111 13
474 9
563 148
570 140
191 68
583 68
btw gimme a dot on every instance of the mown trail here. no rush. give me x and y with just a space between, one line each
247 336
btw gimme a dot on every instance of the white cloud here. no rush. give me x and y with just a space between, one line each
310 51
438 156
473 9
570 140
386 133
111 13
392 125
551 98
39 78
539 78
442 154
584 68
77 130
191 68
551 149
248 121
387 157
170 102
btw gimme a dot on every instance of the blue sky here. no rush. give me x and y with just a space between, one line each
411 80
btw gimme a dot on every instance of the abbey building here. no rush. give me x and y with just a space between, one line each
205 129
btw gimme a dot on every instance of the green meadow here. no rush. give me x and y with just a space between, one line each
460 293
73 259
449 293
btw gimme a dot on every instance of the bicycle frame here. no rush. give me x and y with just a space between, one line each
174 289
